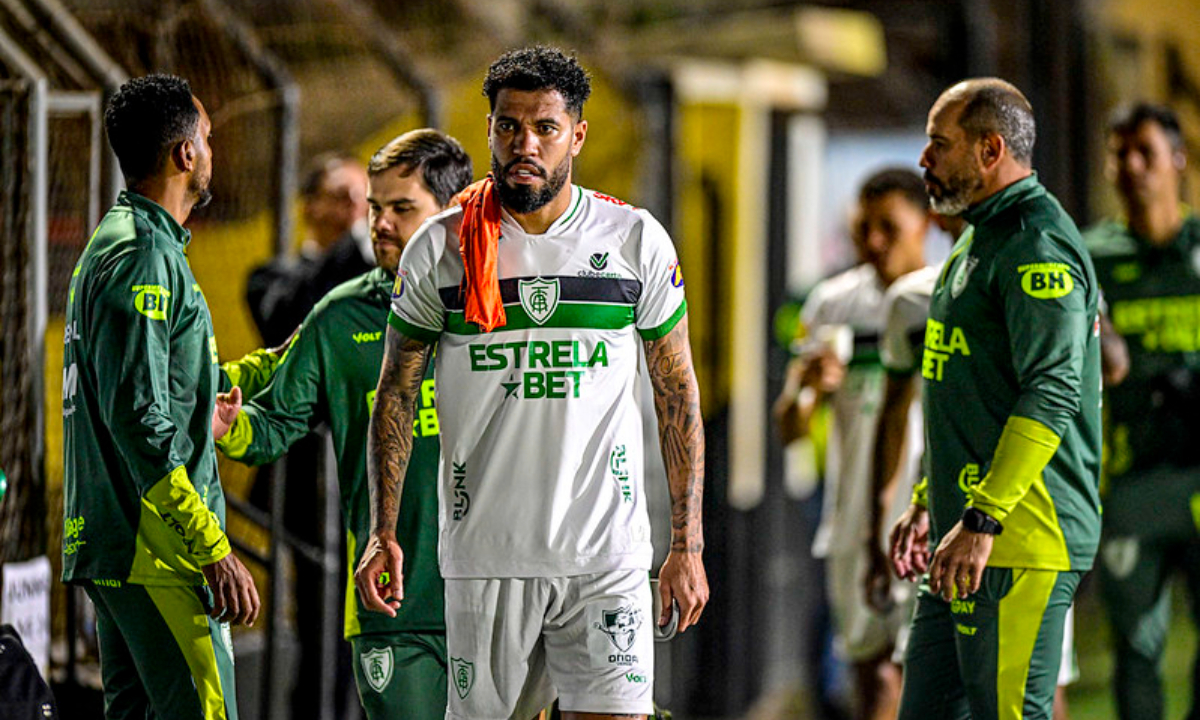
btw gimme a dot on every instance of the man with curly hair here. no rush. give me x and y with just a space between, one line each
537 294
143 507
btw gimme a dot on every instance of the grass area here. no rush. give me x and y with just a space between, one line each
1091 698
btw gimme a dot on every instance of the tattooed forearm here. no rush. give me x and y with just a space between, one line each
390 440
680 433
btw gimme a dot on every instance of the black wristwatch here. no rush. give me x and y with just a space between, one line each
977 521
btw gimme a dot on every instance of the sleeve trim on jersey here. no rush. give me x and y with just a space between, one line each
238 439
175 500
416 332
662 330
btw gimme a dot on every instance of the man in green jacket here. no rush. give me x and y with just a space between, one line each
1012 423
328 375
144 510
1148 263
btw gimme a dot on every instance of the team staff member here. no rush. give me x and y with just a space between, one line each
144 510
328 376
1012 407
544 538
889 227
1147 265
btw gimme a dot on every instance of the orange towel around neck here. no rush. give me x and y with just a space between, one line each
478 240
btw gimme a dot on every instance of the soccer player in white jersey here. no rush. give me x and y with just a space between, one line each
889 234
540 296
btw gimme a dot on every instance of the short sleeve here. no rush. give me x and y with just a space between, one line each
905 309
416 308
662 303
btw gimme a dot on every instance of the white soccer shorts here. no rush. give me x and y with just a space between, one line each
514 644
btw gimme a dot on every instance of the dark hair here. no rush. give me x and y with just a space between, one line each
445 167
993 105
1127 119
320 167
895 179
145 118
540 68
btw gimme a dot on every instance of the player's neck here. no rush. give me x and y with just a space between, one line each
540 220
170 193
1158 223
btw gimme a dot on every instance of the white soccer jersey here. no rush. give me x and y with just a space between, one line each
541 431
906 307
853 298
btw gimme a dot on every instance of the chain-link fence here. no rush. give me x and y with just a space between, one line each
18 539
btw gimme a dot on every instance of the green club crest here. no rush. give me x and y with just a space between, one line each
539 298
377 667
462 676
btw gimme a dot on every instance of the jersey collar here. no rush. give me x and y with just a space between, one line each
156 214
572 212
1020 191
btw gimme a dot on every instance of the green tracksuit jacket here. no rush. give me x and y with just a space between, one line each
1013 332
328 375
142 501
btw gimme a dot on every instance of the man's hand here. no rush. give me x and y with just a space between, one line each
235 598
877 582
378 577
682 577
821 371
226 411
909 543
959 561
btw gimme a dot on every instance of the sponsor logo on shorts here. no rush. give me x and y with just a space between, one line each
621 626
366 337
377 667
966 629
633 677
462 499
539 298
599 261
462 676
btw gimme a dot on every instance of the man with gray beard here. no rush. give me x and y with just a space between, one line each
1012 420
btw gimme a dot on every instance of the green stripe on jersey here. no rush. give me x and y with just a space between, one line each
655 333
588 316
416 332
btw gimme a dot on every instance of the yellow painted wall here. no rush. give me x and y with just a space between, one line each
708 158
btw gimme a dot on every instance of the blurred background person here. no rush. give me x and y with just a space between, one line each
1148 263
329 377
839 367
336 248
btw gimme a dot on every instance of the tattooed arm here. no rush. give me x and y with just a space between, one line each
389 446
681 436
